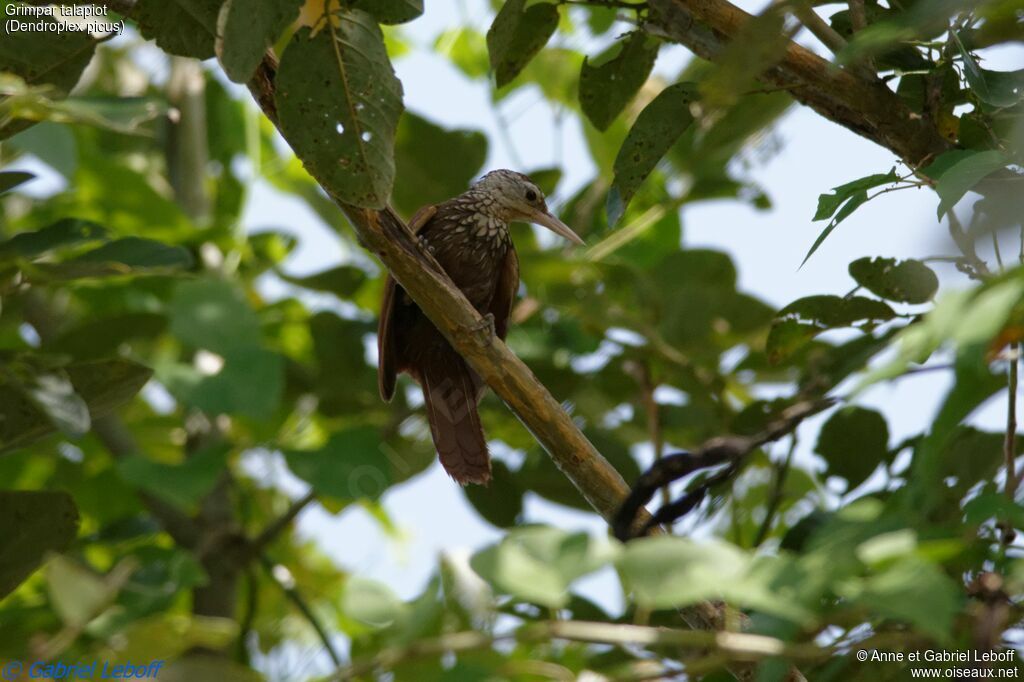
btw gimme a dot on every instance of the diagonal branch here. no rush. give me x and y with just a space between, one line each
868 108
384 233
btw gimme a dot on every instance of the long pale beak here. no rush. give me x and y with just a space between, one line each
555 225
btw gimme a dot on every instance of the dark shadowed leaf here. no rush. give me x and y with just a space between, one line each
32 524
844 200
246 28
517 34
44 57
213 314
391 11
343 281
957 172
609 82
907 281
422 179
12 179
854 441
54 394
351 465
103 385
181 27
995 88
184 484
500 501
656 129
339 103
63 233
838 311
786 337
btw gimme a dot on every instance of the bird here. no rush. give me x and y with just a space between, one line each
468 235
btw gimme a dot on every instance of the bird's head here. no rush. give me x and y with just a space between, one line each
517 198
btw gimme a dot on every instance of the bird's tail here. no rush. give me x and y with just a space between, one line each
451 392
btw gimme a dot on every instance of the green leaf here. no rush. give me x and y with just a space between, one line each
63 233
250 382
77 594
128 256
995 88
501 501
103 385
11 179
44 57
466 48
246 28
838 311
182 27
517 34
787 337
54 394
656 129
911 590
119 114
537 564
854 441
343 280
418 147
213 314
968 168
32 524
829 203
907 281
666 572
184 484
843 201
371 603
390 11
339 103
351 465
609 82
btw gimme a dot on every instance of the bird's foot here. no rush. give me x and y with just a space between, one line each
484 330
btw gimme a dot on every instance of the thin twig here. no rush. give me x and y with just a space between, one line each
277 526
296 598
735 645
1010 442
642 373
776 494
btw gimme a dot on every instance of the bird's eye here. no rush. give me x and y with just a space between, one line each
531 195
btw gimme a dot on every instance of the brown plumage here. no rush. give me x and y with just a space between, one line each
469 237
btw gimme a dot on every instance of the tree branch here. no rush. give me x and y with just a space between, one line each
384 233
868 108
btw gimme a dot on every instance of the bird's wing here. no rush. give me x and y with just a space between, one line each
387 350
505 293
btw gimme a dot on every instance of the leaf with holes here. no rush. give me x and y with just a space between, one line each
995 88
517 34
907 281
609 82
339 103
836 311
246 28
656 129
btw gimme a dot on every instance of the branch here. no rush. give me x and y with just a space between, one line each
738 646
278 525
307 612
868 108
384 233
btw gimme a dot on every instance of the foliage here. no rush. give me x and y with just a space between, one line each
151 350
